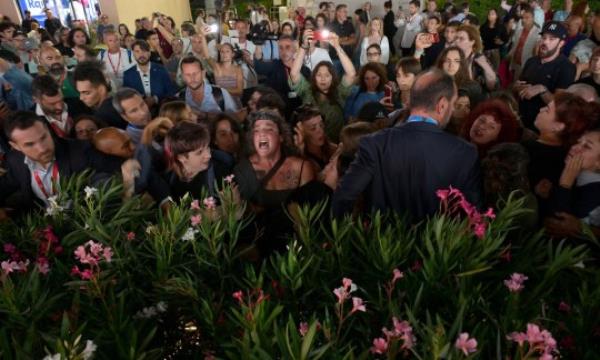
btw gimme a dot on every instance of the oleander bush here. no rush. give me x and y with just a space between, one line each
95 276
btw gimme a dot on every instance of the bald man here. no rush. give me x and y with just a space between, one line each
584 91
138 175
115 142
403 167
53 64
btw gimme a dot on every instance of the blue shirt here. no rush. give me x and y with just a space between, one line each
356 100
209 104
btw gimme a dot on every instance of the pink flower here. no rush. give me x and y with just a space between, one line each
347 283
75 271
7 267
490 214
564 307
442 194
42 265
210 203
238 295
517 337
515 283
95 248
195 205
479 230
358 305
86 274
465 344
303 328
107 253
341 294
408 340
196 219
9 248
131 236
58 250
380 346
229 179
401 326
397 275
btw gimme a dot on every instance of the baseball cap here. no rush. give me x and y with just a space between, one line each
555 28
372 111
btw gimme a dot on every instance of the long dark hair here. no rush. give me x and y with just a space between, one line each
335 81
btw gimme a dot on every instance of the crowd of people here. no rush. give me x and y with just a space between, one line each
369 112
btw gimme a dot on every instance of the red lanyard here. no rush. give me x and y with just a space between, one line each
54 180
115 70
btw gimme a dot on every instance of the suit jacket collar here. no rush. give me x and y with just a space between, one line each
422 126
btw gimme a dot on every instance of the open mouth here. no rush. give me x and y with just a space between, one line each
263 144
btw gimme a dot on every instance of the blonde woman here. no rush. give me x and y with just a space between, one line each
375 36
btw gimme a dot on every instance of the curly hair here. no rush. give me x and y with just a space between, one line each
284 130
502 114
576 114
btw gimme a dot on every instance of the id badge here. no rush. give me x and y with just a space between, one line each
292 95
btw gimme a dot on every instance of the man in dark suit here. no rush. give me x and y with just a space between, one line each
39 161
401 168
150 79
94 92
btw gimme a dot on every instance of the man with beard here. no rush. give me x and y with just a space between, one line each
277 72
544 74
150 79
204 99
39 162
53 64
50 104
401 168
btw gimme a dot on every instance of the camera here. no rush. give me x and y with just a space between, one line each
238 54
259 33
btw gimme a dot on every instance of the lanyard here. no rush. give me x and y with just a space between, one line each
54 179
417 118
115 69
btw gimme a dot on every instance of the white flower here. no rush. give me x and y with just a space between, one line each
88 352
189 234
150 229
90 192
52 357
53 207
161 306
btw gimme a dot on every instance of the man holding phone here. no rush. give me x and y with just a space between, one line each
344 29
429 45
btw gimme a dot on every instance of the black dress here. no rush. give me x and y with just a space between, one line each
272 225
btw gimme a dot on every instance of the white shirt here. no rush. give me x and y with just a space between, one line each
145 77
384 44
45 177
116 64
312 60
63 123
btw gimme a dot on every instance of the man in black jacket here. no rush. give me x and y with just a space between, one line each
39 161
389 28
277 72
401 168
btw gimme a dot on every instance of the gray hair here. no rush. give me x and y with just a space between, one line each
122 95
